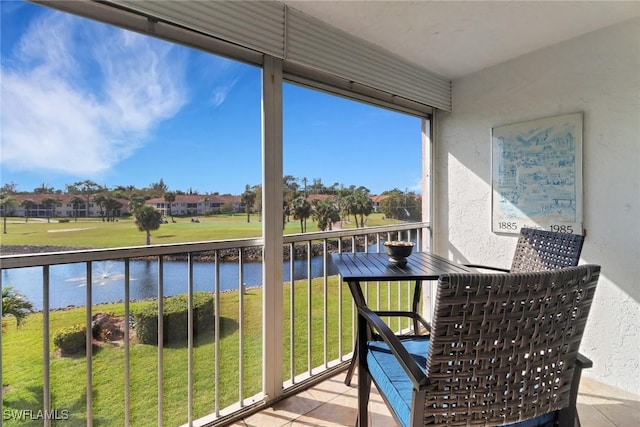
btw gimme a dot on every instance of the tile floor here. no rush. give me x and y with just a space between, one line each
332 404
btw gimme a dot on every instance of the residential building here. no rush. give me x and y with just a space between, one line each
198 204
63 206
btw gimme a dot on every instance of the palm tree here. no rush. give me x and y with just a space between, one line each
346 202
7 202
325 213
169 198
9 188
290 190
249 199
157 189
301 211
363 205
148 219
76 201
206 201
49 203
28 205
15 304
110 206
43 189
100 199
257 206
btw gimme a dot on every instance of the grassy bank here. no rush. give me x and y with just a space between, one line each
23 371
22 347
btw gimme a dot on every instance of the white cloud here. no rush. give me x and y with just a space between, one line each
79 97
219 94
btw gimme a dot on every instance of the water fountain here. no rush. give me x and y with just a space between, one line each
104 272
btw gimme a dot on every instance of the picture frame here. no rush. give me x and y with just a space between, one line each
536 175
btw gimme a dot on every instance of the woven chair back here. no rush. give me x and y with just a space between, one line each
504 346
539 250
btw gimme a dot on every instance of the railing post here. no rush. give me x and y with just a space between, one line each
89 343
160 372
241 291
216 384
190 320
292 313
127 353
46 325
272 197
1 357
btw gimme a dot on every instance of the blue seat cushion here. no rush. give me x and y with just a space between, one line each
391 379
393 382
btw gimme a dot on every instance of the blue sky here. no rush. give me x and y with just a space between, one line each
83 100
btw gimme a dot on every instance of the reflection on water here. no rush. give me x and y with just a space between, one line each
147 284
68 282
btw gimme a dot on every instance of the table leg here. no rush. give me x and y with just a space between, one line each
417 292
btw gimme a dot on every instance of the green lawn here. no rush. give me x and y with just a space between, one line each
23 371
22 347
94 233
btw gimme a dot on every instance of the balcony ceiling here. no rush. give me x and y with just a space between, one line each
455 38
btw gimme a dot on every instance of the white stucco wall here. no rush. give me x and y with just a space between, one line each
597 74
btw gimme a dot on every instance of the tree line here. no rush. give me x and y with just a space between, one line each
301 202
338 203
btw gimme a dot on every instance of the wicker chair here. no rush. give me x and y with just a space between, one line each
503 350
539 250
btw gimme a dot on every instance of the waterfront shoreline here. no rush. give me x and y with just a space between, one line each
37 249
251 254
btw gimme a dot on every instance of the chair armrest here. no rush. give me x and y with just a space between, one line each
569 416
410 314
417 377
487 267
583 362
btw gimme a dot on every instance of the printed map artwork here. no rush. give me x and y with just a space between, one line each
537 175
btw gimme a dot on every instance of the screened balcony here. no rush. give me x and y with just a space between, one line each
594 70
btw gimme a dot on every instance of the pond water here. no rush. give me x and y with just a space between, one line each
68 281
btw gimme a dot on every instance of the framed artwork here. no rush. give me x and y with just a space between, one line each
536 169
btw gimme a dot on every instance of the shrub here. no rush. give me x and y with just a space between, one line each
71 340
175 318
